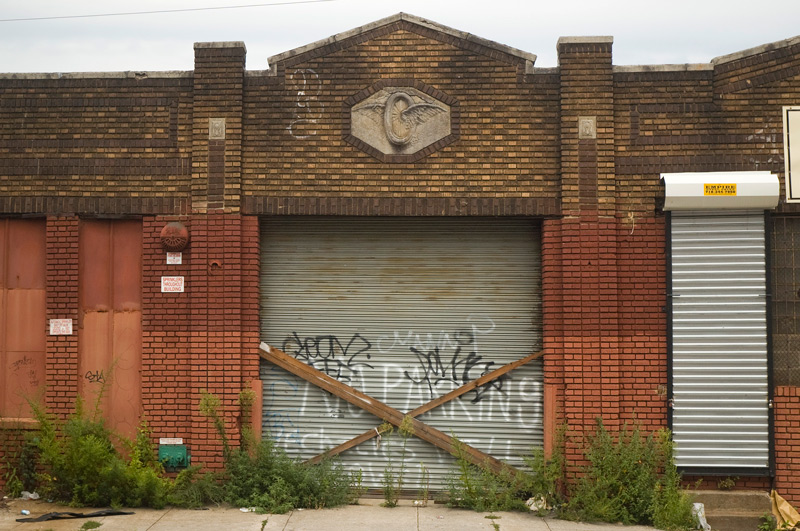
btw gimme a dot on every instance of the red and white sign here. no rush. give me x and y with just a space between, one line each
174 258
60 327
171 284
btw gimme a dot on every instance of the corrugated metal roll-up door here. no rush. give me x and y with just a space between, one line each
404 310
720 392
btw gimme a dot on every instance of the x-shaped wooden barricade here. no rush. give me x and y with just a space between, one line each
390 414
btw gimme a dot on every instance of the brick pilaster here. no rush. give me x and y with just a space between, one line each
62 303
217 126
587 254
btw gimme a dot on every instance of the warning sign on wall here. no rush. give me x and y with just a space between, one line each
171 284
791 152
60 327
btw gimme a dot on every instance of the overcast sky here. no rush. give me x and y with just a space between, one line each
644 31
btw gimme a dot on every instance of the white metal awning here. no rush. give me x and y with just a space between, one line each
756 190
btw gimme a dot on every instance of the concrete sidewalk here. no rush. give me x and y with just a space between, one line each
368 515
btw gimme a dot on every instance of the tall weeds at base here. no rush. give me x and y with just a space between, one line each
630 479
392 481
262 475
79 464
18 464
480 489
194 488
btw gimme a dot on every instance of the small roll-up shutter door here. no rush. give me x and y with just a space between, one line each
720 392
404 310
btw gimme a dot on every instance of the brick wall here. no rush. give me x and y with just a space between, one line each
144 145
205 339
94 143
505 161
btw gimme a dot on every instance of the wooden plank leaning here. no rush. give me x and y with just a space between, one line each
424 408
378 408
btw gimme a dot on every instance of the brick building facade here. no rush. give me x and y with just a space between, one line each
94 166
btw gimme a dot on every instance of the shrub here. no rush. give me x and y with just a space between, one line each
264 476
193 489
79 464
480 489
273 482
630 479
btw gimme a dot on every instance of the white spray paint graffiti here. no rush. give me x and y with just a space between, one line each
308 108
301 416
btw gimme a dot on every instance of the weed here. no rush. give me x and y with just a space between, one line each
493 517
727 483
769 523
357 488
90 524
630 479
192 490
422 495
393 479
247 398
546 480
391 494
77 463
263 476
479 488
209 407
19 460
273 482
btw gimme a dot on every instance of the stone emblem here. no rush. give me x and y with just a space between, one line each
400 120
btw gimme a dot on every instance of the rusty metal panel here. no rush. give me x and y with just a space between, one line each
110 334
3 254
22 314
26 254
24 367
126 399
127 266
25 320
95 265
94 357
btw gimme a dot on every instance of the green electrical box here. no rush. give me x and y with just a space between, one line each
173 456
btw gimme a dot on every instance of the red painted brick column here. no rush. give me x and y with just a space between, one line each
787 443
62 303
166 354
205 339
643 365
